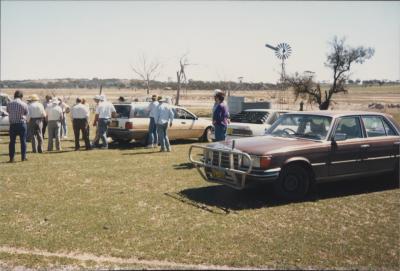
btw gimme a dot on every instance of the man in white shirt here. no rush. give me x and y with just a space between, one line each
64 127
163 115
152 136
46 103
80 117
104 112
36 115
54 117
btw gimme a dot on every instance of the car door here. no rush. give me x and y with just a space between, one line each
346 155
182 125
382 141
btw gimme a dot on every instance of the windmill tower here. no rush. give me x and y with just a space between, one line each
282 52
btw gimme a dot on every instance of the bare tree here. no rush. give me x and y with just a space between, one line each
147 70
340 60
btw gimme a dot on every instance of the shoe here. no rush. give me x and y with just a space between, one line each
11 161
149 146
169 150
24 159
162 150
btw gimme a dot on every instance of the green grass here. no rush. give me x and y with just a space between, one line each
138 203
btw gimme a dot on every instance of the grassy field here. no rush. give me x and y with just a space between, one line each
130 207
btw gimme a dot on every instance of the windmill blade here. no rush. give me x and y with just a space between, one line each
271 47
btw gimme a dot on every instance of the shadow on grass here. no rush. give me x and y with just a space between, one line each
187 165
263 196
138 145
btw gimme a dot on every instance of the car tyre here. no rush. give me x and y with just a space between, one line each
293 183
206 137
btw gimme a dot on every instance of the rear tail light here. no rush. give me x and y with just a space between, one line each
128 125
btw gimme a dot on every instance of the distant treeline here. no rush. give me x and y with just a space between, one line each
139 84
132 84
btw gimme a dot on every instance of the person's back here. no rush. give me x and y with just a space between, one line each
105 110
80 111
54 112
17 110
163 113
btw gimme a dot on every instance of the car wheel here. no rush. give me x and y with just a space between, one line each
293 183
206 137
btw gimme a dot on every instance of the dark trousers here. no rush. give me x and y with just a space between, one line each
81 125
44 126
17 129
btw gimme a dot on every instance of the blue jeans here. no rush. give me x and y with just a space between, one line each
162 130
152 138
220 132
102 128
17 129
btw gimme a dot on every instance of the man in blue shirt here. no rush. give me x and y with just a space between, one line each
18 111
220 117
162 115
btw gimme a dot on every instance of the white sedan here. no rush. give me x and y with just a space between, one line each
252 122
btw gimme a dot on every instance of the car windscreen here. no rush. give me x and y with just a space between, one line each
304 126
257 117
123 110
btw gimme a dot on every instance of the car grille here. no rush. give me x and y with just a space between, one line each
224 160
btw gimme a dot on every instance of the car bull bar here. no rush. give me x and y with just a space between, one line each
222 165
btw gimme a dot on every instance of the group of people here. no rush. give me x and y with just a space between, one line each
33 119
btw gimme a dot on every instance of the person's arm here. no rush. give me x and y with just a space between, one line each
96 118
113 111
171 116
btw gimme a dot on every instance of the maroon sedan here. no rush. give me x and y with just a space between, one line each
304 148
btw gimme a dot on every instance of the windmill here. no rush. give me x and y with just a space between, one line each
282 51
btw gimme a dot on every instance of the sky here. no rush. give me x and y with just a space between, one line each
223 40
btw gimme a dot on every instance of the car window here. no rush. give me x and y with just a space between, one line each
389 130
374 126
123 110
305 126
180 113
140 111
349 126
3 101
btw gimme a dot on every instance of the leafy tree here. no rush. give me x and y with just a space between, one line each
340 60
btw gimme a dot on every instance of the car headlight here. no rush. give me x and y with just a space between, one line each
256 161
262 162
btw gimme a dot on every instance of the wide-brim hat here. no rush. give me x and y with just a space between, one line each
98 97
33 98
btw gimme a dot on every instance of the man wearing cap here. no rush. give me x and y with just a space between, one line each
54 117
18 111
104 112
152 136
35 125
162 115
80 122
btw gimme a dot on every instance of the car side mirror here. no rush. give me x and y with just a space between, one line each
339 137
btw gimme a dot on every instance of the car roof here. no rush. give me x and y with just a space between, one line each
267 110
336 114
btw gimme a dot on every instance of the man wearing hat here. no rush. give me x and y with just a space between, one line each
220 117
162 116
104 112
54 117
152 136
36 114
18 111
